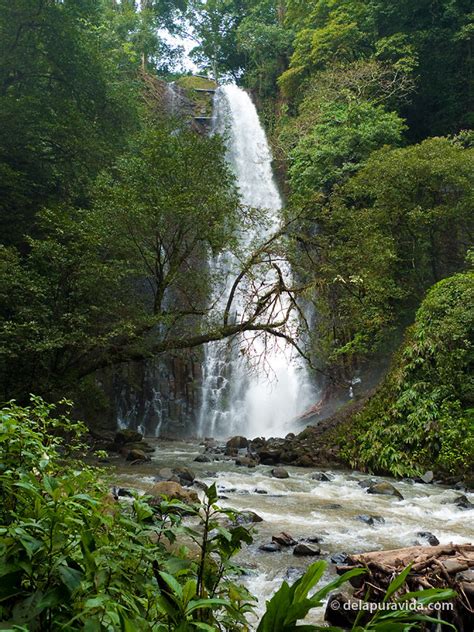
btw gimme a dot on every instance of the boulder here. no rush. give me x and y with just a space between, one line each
385 489
321 476
245 461
257 490
203 486
339 558
427 477
248 517
370 520
236 443
306 549
173 491
202 458
367 482
460 501
124 493
429 537
185 474
166 474
284 539
269 456
137 455
270 547
127 436
280 472
314 539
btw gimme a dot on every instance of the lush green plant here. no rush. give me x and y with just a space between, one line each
422 415
71 557
291 604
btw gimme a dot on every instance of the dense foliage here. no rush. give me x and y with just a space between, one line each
72 557
369 106
422 417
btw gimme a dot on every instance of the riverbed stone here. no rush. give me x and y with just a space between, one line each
284 539
245 461
306 549
385 489
185 474
174 491
270 547
166 474
248 517
137 455
127 436
321 476
367 482
427 477
202 458
429 537
370 520
236 443
339 558
280 472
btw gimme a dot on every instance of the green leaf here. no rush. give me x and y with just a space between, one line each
397 583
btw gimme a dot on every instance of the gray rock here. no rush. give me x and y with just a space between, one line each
284 539
200 485
385 489
248 517
339 558
427 477
185 474
314 539
370 520
237 442
257 490
245 461
429 537
321 476
280 472
306 549
367 482
202 458
137 455
270 547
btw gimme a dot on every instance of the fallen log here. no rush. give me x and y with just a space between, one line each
443 566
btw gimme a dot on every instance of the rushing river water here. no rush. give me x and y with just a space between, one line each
304 507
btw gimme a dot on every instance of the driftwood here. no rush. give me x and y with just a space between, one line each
443 566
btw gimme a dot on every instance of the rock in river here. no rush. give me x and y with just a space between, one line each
385 489
280 472
306 549
270 547
174 491
137 455
284 539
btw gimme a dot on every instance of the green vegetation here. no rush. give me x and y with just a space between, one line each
422 417
73 558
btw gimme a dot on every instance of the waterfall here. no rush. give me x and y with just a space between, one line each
236 399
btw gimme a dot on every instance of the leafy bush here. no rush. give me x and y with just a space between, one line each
422 416
72 558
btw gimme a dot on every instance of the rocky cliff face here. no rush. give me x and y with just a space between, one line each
160 396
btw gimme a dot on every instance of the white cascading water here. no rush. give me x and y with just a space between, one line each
266 400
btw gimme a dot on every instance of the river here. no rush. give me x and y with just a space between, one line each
304 508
